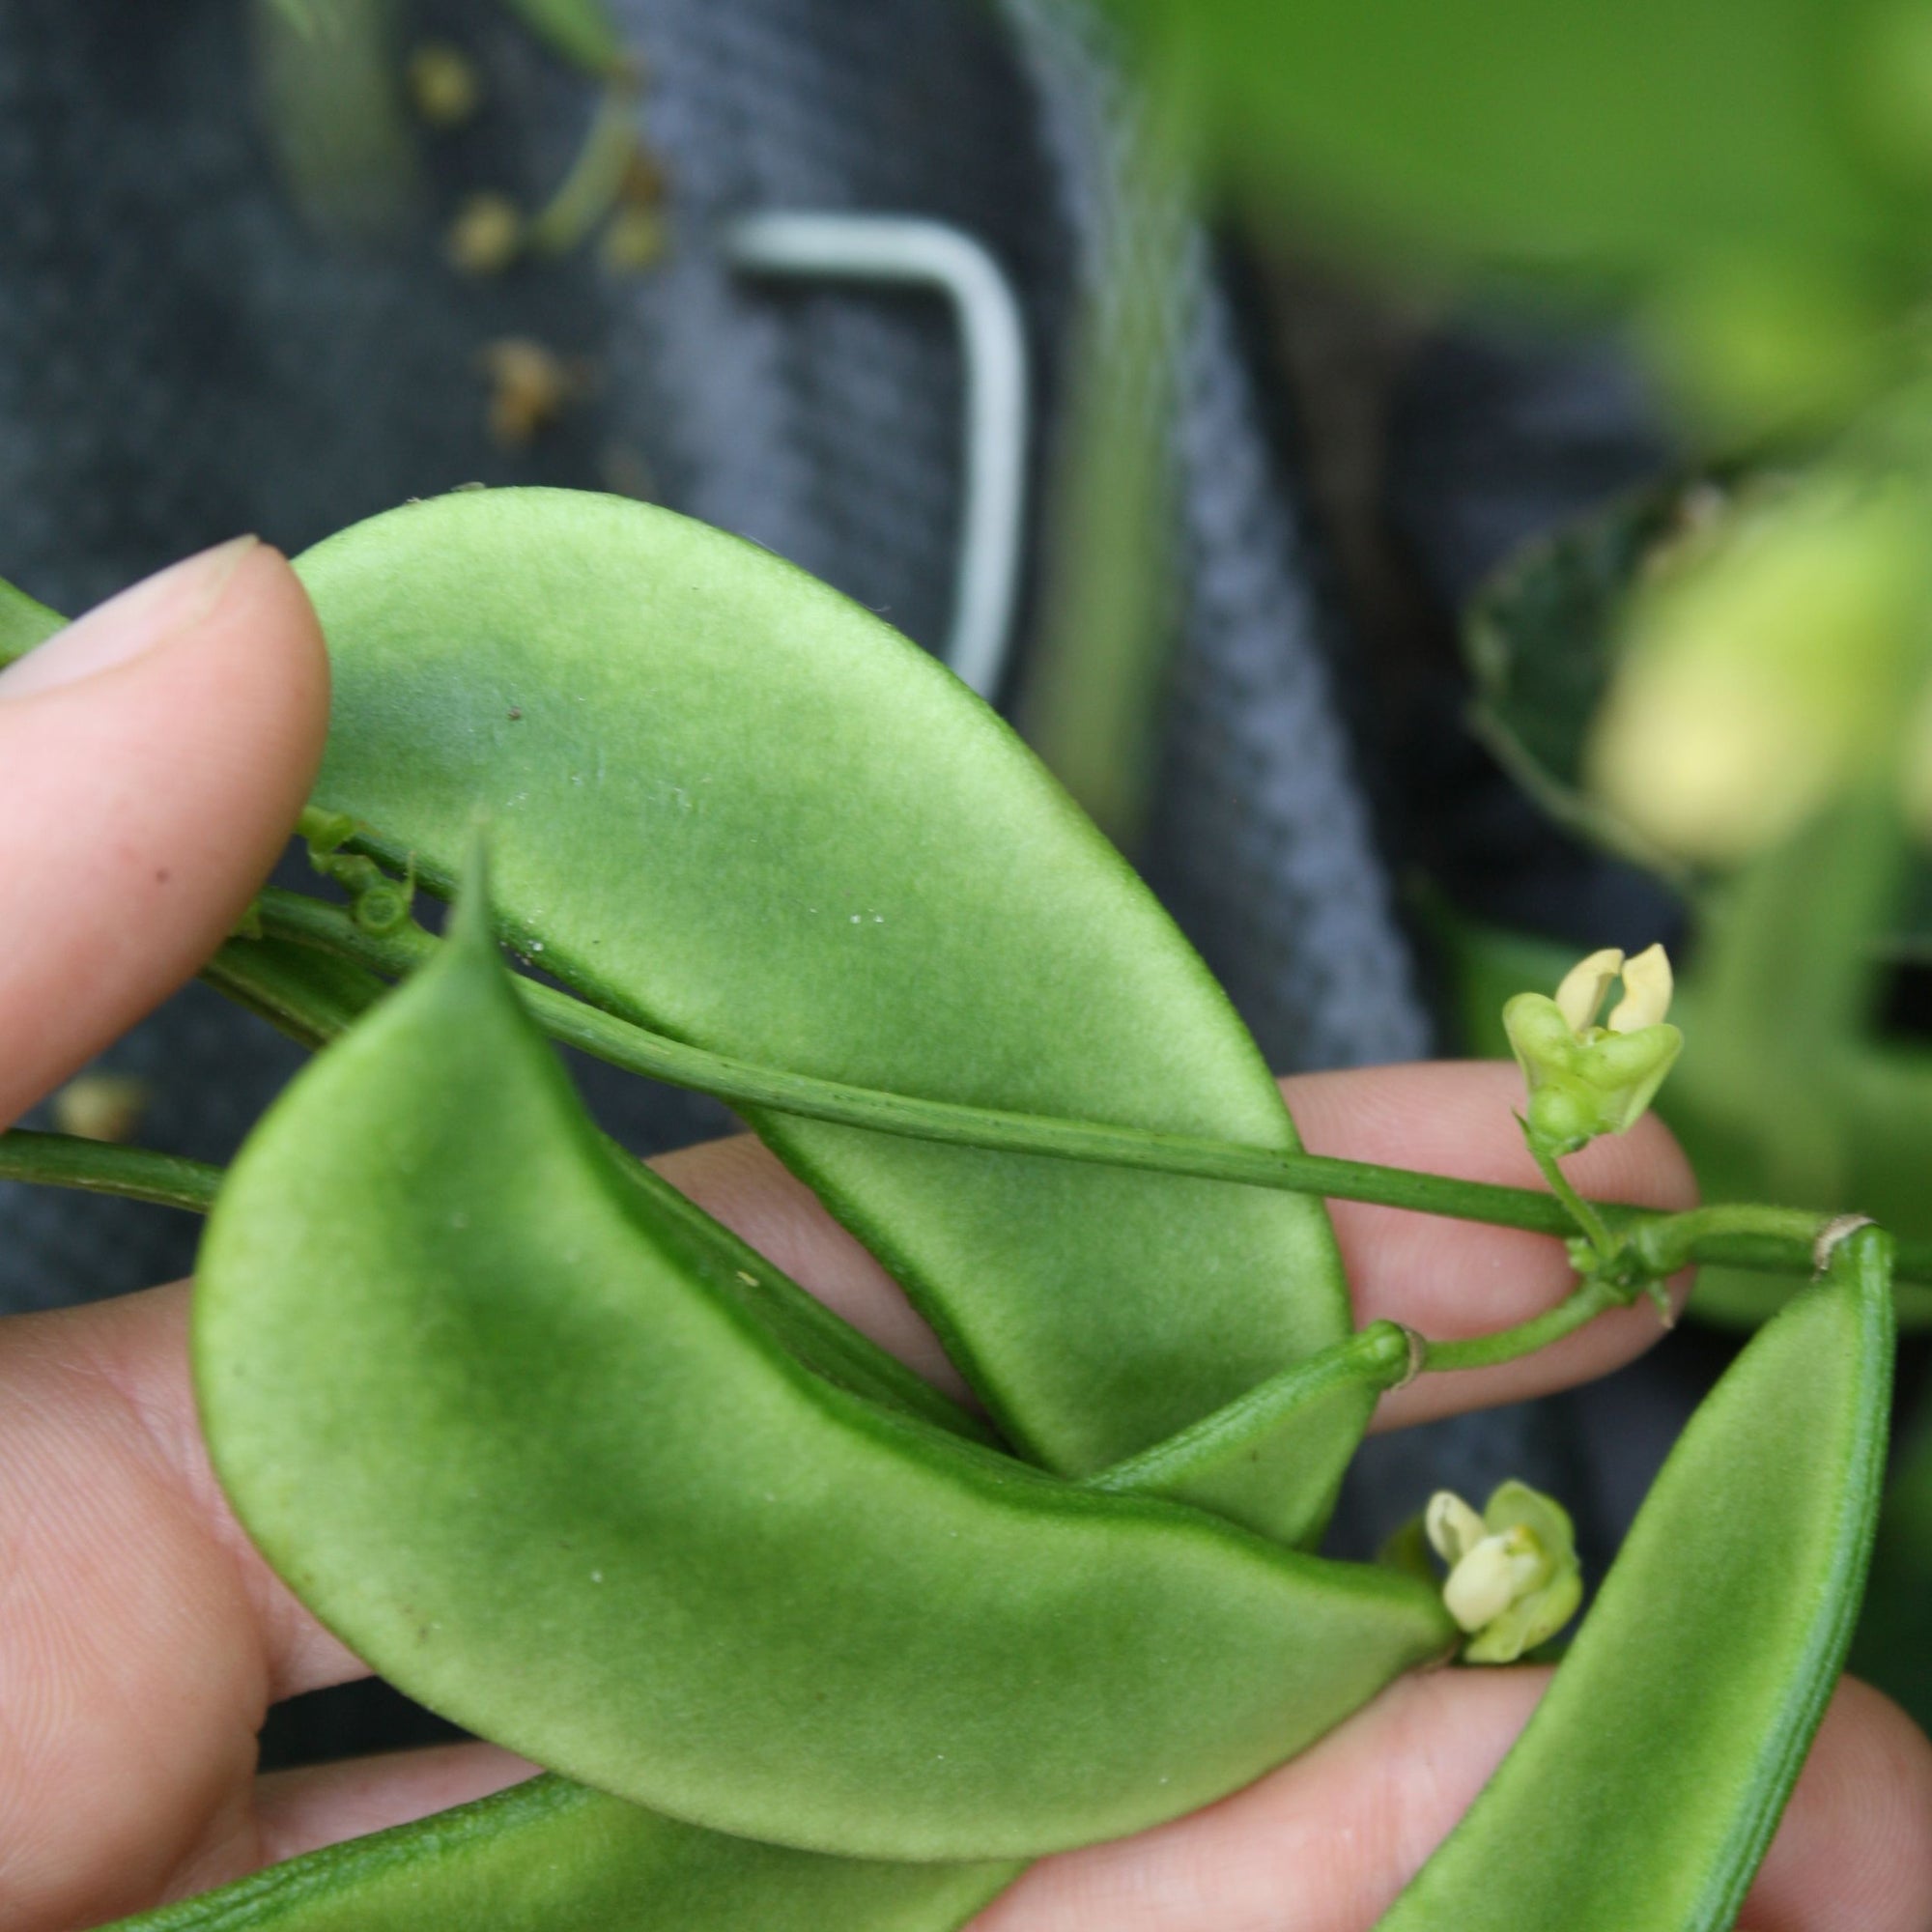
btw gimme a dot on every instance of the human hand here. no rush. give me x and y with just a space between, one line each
151 762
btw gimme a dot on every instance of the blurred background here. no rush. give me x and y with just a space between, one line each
1446 485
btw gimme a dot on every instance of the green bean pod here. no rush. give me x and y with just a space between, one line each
509 1432
552 1855
1647 1785
549 1855
648 710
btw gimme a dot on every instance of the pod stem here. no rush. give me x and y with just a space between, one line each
1590 1298
591 188
1604 1245
1648 1241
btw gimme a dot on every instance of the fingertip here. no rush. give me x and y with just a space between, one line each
153 759
258 661
1449 1279
1854 1850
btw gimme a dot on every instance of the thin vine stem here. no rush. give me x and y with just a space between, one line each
1666 1246
1583 1212
1771 1240
1582 1305
169 1180
103 1167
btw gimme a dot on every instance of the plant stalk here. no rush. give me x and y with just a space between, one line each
1774 1240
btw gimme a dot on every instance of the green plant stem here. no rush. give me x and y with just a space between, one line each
139 1173
1672 1241
590 192
101 1166
1581 1211
1583 1304
1775 1240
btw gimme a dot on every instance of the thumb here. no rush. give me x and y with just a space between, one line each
152 758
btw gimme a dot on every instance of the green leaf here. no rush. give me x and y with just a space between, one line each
727 804
1650 135
329 73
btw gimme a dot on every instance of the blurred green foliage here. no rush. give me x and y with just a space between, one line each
1724 679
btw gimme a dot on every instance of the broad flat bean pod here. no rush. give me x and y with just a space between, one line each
627 692
506 1426
1647 1785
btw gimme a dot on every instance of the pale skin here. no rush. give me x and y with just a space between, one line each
151 759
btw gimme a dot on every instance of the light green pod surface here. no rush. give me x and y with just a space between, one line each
550 1857
508 1432
1647 1785
729 804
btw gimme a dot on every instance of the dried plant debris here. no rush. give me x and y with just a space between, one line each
531 385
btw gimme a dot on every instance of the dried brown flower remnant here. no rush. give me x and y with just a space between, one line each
487 235
529 386
633 242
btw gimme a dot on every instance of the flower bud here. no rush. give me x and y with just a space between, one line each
1513 1579
1583 1079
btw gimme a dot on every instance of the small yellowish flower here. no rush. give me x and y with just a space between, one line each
1513 1579
1586 1079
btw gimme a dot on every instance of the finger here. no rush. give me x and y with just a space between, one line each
1853 1852
320 1804
143 1640
152 758
1447 1278
1325 1843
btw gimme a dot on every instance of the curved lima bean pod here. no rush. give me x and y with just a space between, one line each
506 1431
732 805
552 1855
1647 1785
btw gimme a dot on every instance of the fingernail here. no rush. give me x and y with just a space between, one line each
139 619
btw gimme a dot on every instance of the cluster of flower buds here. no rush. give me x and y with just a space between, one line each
1586 1079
